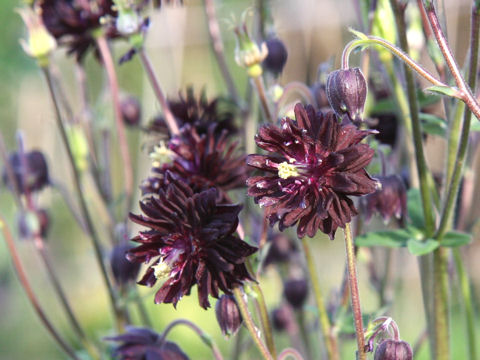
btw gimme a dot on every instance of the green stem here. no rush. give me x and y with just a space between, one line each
19 270
328 335
264 319
247 318
97 246
467 303
440 299
354 294
260 87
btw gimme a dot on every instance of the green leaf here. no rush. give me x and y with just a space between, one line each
433 125
388 238
419 248
455 238
444 90
415 209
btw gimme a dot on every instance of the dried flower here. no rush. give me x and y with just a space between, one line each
295 292
32 178
393 350
247 52
390 199
73 22
228 315
124 271
347 92
315 164
200 113
203 161
192 240
145 344
277 56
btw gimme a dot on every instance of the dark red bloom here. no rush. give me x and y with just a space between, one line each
190 241
228 315
200 113
72 22
145 344
389 200
315 163
202 161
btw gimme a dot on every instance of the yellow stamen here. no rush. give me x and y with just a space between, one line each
161 270
286 170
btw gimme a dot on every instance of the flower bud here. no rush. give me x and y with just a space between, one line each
248 54
31 223
277 56
228 315
131 111
283 318
34 177
393 350
347 92
281 249
295 292
123 270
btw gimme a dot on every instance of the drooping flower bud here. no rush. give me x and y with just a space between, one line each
277 56
131 111
281 249
32 178
283 318
347 92
228 315
31 223
295 292
393 350
123 270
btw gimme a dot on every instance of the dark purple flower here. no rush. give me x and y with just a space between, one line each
281 249
200 113
315 163
124 271
72 22
389 200
393 350
296 292
202 161
277 56
31 173
145 344
190 241
228 315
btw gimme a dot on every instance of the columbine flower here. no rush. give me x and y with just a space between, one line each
190 241
123 271
277 56
390 199
145 344
72 22
228 315
199 112
31 173
203 161
315 164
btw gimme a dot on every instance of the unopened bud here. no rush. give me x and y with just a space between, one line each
347 92
131 111
31 223
277 56
123 270
32 178
295 292
228 315
393 350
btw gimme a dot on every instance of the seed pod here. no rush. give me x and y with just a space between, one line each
228 315
131 111
123 270
295 292
277 56
393 350
347 92
34 177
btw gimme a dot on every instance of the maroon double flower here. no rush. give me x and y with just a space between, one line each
314 164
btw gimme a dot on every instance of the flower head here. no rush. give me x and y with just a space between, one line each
190 241
203 161
314 165
30 173
145 344
72 22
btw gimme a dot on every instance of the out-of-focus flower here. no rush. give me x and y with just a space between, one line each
314 165
131 111
295 292
202 161
31 223
277 56
190 241
31 173
347 92
283 319
74 22
39 43
393 350
247 52
228 315
124 271
389 200
200 113
281 249
145 344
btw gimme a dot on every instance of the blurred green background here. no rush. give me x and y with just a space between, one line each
314 32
